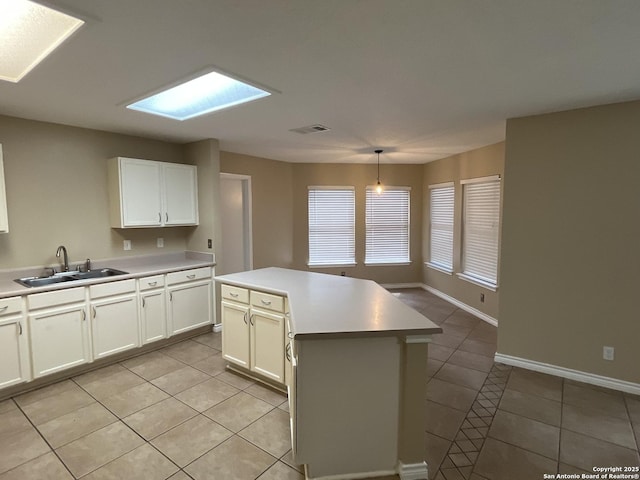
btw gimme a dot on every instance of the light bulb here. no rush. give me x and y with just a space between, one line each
379 188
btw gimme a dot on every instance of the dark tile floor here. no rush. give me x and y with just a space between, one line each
495 422
177 413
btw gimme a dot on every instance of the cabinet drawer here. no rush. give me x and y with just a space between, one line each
267 301
188 275
236 294
57 297
147 283
112 288
10 305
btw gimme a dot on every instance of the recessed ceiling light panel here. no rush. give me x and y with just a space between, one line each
204 94
28 33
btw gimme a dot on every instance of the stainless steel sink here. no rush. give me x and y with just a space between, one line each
63 277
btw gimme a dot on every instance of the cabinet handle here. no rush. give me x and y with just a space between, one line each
290 335
251 319
234 295
192 276
143 303
287 351
245 318
19 328
94 312
2 309
159 217
84 315
265 302
171 296
152 284
166 216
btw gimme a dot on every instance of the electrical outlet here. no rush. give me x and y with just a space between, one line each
126 244
160 242
608 353
343 274
209 243
482 298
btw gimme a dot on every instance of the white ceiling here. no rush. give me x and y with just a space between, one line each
422 79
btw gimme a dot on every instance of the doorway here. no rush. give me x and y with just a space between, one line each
235 208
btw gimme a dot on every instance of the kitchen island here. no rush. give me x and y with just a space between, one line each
356 359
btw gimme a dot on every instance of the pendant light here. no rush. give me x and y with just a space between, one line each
379 187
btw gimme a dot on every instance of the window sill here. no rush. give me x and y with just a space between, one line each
476 281
439 268
330 265
386 264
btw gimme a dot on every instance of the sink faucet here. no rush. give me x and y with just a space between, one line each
66 258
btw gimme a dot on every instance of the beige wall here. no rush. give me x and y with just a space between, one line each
272 207
56 179
359 176
476 163
570 258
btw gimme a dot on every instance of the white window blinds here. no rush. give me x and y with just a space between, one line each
331 226
441 218
387 225
481 221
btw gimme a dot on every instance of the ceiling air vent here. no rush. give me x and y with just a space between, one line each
310 129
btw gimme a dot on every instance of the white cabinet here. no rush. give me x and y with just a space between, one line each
4 219
14 345
153 311
253 331
235 333
145 193
59 332
114 317
190 302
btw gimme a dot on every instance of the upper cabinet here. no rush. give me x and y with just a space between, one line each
144 193
4 220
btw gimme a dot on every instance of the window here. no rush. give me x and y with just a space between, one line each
387 225
480 229
332 226
441 232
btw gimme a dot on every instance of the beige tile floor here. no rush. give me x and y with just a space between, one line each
176 413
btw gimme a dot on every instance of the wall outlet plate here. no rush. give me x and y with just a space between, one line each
160 242
126 244
608 353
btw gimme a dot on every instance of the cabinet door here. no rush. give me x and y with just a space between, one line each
59 339
141 193
267 344
235 333
190 306
153 316
14 367
181 195
4 221
114 325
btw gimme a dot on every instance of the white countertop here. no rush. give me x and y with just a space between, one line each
324 304
135 266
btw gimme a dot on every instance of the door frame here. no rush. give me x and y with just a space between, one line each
247 203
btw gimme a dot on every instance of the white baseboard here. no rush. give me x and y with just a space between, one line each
413 471
401 285
462 305
217 327
563 372
354 476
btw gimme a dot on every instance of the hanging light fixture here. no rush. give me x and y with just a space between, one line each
379 187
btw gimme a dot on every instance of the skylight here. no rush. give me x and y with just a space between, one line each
205 94
29 32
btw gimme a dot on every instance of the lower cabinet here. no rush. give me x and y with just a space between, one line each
235 333
114 317
253 331
14 345
190 302
153 309
59 331
267 344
